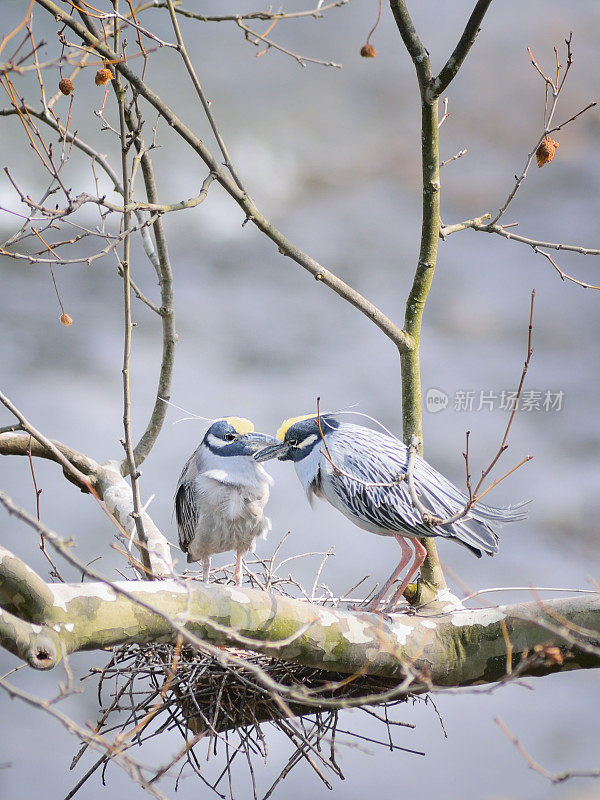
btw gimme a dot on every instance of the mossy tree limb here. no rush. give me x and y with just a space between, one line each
452 647
37 645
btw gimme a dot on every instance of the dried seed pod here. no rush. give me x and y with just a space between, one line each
66 85
103 76
368 51
546 150
66 319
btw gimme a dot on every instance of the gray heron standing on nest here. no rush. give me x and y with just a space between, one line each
363 472
221 494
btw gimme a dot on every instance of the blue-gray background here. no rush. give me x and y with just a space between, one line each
331 156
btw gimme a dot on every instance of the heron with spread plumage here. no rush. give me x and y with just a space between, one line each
221 494
362 472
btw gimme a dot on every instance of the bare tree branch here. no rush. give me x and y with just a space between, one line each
106 483
461 51
559 777
399 337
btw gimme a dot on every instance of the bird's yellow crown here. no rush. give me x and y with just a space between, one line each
241 425
287 424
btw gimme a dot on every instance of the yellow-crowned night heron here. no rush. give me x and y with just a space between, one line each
221 494
358 470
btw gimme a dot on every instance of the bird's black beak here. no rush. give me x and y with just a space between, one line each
257 442
277 450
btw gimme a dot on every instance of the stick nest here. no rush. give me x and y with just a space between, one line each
224 703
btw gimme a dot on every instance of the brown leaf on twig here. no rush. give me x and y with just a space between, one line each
546 150
66 319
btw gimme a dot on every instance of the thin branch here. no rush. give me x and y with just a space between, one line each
134 770
54 571
553 89
578 114
445 115
128 328
200 92
465 43
400 338
302 60
139 294
474 495
503 444
162 265
456 156
24 22
558 777
536 244
477 224
563 275
79 478
266 16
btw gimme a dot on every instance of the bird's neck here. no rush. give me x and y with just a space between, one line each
238 471
308 467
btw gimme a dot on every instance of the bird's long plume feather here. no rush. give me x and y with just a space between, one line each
190 414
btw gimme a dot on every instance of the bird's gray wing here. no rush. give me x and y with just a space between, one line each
186 502
366 459
372 458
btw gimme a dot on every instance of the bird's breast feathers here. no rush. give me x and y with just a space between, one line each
231 496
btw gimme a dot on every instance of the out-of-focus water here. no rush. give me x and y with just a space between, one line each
332 158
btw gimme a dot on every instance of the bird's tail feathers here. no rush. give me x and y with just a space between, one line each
500 514
445 499
474 534
471 530
475 550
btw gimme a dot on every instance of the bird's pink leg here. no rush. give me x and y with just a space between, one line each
407 554
238 570
420 553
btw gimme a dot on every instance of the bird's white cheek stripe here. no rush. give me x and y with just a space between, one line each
309 440
214 442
